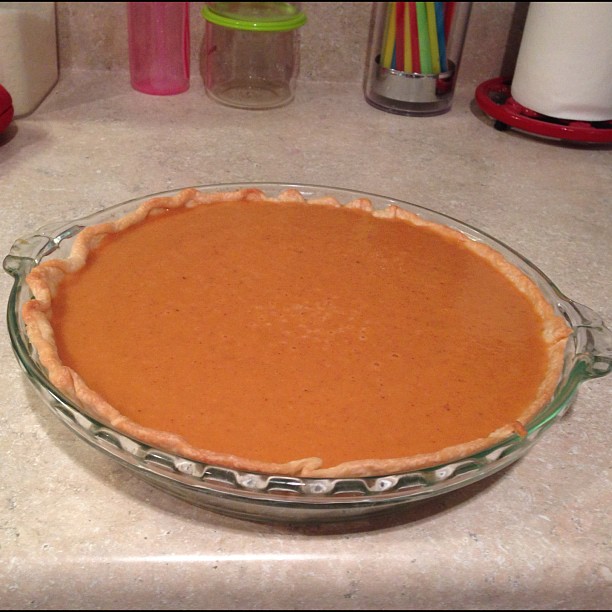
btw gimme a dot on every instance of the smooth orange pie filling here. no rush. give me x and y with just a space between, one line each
290 337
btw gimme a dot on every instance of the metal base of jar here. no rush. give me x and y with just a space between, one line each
410 93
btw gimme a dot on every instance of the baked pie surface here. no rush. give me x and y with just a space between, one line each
366 342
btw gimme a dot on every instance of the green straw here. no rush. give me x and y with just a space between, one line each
433 37
424 44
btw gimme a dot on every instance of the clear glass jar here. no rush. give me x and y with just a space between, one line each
250 53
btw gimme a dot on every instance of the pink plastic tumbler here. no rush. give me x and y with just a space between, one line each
158 37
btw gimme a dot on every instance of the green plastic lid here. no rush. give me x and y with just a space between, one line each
255 16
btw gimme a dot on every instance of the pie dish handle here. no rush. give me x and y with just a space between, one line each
593 340
31 249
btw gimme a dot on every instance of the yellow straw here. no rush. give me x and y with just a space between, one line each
407 43
389 38
433 37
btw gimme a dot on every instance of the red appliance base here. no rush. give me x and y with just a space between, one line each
495 100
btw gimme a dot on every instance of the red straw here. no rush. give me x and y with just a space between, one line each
399 36
449 9
414 37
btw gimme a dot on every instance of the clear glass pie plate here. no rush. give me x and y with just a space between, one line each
266 497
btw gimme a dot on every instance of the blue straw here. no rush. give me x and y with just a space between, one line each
440 29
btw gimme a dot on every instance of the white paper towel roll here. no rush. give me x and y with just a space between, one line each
564 65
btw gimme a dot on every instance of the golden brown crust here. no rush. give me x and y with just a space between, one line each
44 280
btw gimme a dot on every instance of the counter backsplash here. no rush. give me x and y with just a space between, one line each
93 35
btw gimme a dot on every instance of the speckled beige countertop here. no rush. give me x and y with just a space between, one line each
78 531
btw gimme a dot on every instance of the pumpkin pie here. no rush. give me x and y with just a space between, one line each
296 337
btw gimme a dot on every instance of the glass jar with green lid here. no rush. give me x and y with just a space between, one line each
250 53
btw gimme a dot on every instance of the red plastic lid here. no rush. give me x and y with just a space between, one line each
495 100
6 109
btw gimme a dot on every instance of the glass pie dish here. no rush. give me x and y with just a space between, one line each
272 497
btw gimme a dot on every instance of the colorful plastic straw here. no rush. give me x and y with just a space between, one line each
441 34
388 44
415 37
424 43
400 39
432 27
